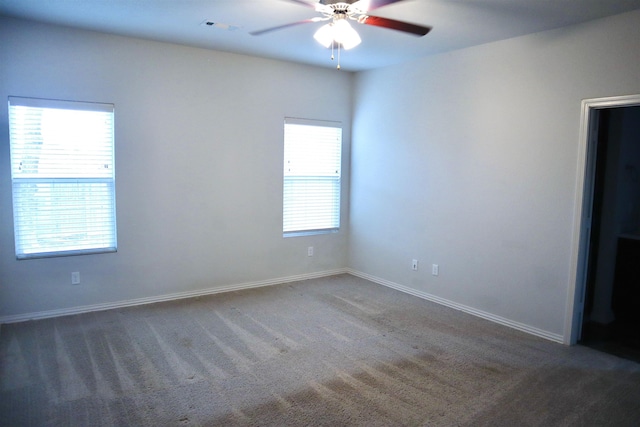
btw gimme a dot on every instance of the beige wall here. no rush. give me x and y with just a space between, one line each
198 163
469 160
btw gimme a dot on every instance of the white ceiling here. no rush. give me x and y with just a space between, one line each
456 24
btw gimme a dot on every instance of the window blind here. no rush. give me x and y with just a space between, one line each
312 169
63 177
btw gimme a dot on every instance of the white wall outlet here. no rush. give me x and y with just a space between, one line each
435 270
75 278
310 251
414 265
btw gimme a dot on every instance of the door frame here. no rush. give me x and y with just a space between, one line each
583 207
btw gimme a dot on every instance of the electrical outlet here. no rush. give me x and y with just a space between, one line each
310 251
75 278
414 265
435 270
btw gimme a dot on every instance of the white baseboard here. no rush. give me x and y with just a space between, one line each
229 288
166 297
470 310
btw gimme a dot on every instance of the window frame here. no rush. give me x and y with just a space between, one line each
90 197
326 177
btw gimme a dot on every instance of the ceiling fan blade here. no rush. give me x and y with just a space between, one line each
280 27
309 3
406 27
373 4
362 4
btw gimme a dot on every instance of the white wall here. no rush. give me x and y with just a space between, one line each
198 163
469 160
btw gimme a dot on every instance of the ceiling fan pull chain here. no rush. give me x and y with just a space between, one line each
338 56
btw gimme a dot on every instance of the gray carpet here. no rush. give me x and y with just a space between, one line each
335 351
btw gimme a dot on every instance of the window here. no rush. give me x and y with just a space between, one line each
312 157
63 177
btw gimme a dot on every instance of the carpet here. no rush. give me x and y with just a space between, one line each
334 351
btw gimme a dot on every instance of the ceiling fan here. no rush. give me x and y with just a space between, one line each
338 33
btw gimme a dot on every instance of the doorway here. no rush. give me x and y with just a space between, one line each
606 314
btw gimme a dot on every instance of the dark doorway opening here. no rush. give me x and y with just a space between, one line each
611 320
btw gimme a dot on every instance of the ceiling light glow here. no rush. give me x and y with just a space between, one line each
339 31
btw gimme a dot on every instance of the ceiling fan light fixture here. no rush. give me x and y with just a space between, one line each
324 35
340 32
345 34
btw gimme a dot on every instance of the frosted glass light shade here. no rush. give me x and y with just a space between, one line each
345 34
339 31
324 35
